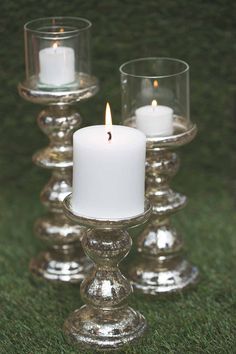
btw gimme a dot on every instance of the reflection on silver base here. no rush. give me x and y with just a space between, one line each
104 330
49 268
148 278
85 87
105 322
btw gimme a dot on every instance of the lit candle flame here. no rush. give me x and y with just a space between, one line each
108 121
155 84
55 45
61 30
154 103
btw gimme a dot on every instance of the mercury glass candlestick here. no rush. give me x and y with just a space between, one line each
106 322
58 76
160 266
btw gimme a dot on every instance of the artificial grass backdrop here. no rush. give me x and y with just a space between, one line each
203 34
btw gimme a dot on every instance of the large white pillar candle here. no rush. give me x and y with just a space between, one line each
56 65
155 120
108 172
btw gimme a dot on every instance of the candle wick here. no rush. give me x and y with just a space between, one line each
109 136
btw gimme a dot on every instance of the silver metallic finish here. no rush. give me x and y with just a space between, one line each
106 322
64 260
160 266
86 86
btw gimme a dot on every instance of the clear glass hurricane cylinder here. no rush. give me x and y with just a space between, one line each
57 52
155 96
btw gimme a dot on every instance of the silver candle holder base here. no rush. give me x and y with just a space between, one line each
64 260
106 322
161 266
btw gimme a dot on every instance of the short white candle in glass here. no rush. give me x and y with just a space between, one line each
155 120
56 65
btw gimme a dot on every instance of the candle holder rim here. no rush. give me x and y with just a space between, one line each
71 32
186 134
97 223
121 68
56 96
173 140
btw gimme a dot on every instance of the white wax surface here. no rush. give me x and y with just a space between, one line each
155 121
57 66
108 177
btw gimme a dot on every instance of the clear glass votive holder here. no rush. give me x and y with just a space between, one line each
155 96
57 53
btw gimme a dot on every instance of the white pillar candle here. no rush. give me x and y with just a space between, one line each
56 65
155 120
108 172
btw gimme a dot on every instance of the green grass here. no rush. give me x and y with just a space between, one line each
203 34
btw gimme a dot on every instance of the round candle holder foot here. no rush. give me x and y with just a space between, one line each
152 279
105 322
104 330
161 267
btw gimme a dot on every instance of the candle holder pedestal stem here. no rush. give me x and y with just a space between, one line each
106 322
64 260
160 266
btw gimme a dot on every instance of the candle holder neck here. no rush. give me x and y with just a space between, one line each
106 248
